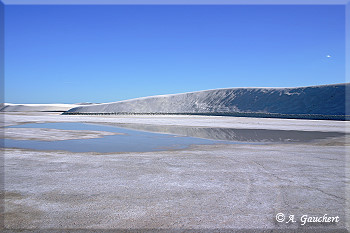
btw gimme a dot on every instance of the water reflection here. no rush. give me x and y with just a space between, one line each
129 141
240 135
140 137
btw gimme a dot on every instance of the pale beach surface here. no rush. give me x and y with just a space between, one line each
237 186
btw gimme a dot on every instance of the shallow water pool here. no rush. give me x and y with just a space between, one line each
130 141
141 138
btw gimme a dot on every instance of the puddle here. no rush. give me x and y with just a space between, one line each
141 138
237 135
131 141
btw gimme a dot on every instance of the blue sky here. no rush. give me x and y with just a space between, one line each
70 54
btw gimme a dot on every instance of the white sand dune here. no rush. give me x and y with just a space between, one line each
324 99
7 107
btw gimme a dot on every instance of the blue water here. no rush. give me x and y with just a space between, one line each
132 141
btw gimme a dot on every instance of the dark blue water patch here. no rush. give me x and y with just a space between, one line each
131 141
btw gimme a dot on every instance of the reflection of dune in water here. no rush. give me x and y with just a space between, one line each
242 135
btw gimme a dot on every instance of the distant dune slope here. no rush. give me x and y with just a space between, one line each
325 100
36 107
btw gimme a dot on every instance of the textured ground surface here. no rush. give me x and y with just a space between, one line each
52 134
216 186
200 121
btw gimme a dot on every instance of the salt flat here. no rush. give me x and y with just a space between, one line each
52 134
183 120
201 187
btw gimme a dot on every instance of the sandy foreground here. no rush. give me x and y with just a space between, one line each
202 187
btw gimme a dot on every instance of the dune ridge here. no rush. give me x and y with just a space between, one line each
322 100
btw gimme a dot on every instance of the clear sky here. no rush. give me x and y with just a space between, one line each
70 54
